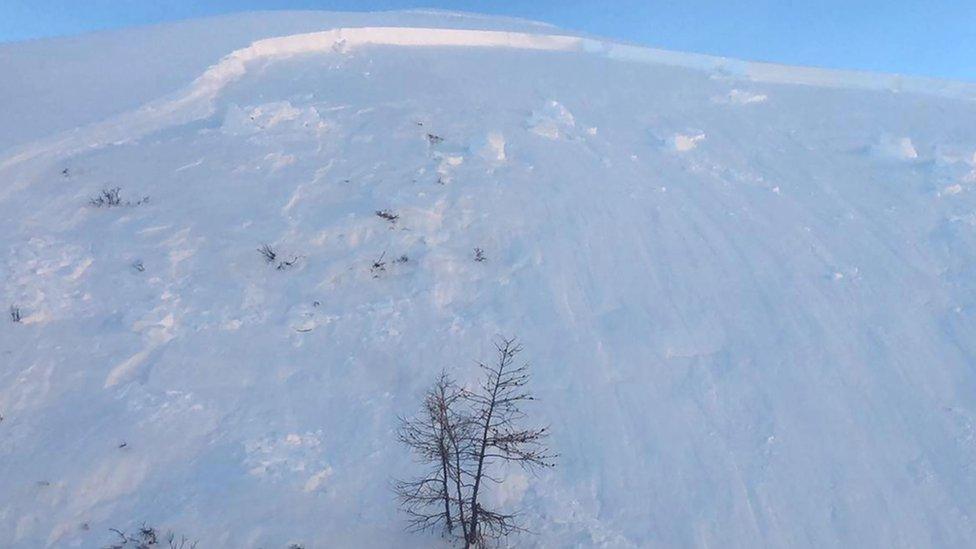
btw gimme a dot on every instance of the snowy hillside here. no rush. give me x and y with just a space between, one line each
748 292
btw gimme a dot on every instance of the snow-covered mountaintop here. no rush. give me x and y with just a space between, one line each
746 290
63 83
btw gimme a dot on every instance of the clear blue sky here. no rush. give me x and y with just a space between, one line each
927 37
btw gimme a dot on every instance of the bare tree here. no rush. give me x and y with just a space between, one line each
496 417
463 435
436 436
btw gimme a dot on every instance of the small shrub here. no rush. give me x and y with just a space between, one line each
108 198
379 266
148 534
284 265
15 314
270 256
147 537
479 255
268 253
388 215
182 543
112 198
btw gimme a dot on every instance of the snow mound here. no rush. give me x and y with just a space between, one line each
896 148
680 142
552 121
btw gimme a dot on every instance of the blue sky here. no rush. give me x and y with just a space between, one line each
930 37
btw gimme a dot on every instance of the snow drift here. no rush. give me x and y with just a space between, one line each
746 290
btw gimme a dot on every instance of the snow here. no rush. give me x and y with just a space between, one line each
740 97
746 290
896 148
686 142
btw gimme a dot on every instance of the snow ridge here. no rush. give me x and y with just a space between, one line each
196 101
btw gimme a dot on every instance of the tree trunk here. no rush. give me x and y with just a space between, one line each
446 488
473 529
457 486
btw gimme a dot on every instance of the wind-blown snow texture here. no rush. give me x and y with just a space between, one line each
748 292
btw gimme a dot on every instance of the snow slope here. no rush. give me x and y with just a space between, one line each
747 290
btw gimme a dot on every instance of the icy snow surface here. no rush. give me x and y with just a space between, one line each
748 291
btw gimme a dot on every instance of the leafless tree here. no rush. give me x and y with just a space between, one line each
437 435
496 418
463 435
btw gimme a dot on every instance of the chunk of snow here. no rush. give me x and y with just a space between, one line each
317 481
686 142
552 121
740 97
493 148
952 189
897 148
